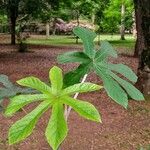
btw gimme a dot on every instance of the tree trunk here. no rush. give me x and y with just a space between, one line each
13 14
139 46
78 23
13 31
93 17
47 30
54 26
144 55
134 26
122 28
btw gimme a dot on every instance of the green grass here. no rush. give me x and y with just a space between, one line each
53 40
70 40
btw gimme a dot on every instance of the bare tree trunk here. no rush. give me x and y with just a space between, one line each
78 23
93 17
54 26
134 26
13 30
122 28
12 8
144 55
139 46
47 29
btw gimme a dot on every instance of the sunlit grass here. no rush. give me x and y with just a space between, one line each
71 40
127 44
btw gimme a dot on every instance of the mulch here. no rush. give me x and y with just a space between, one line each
120 129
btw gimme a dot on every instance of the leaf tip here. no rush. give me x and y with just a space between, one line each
19 81
99 120
55 67
99 87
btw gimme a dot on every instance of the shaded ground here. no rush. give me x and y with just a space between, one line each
125 46
121 129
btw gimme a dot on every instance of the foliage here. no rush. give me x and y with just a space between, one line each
50 97
145 148
97 61
110 23
54 9
3 19
8 89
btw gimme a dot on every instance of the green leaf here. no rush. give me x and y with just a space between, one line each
83 108
4 92
56 130
20 101
75 76
87 36
74 56
56 79
51 96
35 83
124 70
24 127
131 90
5 81
105 51
81 87
112 88
8 89
13 91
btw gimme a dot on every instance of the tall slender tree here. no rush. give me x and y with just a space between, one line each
122 27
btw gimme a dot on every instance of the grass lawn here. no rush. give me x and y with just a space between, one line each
70 40
122 46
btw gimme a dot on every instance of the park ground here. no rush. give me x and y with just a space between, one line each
120 129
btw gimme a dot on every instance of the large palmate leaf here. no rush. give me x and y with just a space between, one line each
87 36
115 87
54 97
8 89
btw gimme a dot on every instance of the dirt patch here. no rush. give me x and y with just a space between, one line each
121 129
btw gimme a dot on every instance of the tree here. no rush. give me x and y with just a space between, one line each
118 15
92 10
12 12
122 27
140 39
142 11
19 8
